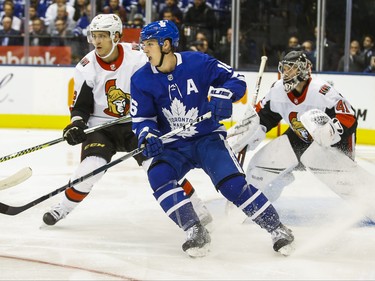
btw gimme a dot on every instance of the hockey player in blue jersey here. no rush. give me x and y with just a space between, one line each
170 90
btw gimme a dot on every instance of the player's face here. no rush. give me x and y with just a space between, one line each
289 71
102 42
152 50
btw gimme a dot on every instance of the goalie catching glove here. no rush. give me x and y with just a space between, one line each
324 130
150 141
246 132
74 132
220 104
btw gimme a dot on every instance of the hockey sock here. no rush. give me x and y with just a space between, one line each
176 205
171 197
74 195
251 201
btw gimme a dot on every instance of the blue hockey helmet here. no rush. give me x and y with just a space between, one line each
161 30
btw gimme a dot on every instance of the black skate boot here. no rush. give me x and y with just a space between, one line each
197 241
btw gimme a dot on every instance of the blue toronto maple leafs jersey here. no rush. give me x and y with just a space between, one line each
166 101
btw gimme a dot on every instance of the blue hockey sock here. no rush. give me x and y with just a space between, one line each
176 205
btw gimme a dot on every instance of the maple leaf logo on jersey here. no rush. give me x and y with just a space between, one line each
178 117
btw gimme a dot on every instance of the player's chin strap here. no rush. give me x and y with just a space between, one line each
114 44
162 56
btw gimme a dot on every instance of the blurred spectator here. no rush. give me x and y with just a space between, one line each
222 53
8 35
80 46
368 50
82 24
114 7
199 17
9 11
32 15
309 49
355 60
138 21
331 53
371 67
51 12
39 35
201 44
293 45
171 5
140 8
61 35
42 6
168 15
79 8
127 4
62 14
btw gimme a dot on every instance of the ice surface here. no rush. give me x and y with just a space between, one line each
119 232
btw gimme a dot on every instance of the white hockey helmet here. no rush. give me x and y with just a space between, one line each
105 22
294 68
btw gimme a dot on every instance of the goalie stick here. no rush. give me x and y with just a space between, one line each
13 210
16 178
241 155
56 141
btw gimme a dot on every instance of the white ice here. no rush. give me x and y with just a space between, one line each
119 232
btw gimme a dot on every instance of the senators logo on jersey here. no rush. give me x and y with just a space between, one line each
118 101
298 128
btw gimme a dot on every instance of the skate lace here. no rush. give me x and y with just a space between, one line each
192 232
58 212
279 233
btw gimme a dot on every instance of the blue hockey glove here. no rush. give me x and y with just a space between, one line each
74 132
220 104
149 139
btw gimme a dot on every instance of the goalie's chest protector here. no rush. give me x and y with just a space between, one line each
318 94
110 83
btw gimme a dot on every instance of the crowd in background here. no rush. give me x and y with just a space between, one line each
268 27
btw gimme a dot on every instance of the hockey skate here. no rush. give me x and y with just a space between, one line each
55 214
282 239
197 241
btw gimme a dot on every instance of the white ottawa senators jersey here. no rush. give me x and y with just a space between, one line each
102 90
317 94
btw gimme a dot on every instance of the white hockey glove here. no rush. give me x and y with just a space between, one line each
324 130
247 131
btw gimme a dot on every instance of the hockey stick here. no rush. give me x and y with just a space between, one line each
11 210
50 143
16 178
241 155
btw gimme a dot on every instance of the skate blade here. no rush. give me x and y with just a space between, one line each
198 252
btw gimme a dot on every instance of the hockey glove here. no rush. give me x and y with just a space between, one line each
74 132
220 104
324 130
247 131
149 139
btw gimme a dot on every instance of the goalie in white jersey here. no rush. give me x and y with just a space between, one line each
314 111
102 93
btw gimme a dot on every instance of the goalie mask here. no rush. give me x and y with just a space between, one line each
294 68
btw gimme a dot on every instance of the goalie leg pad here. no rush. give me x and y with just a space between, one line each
269 169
